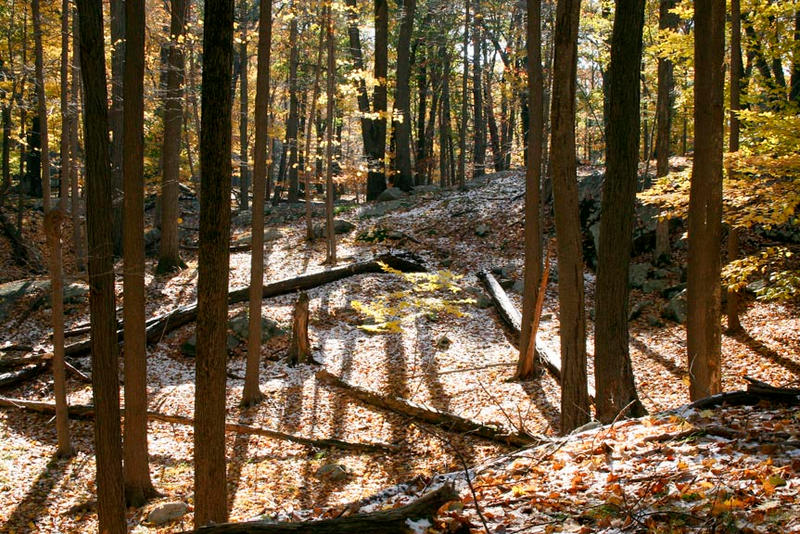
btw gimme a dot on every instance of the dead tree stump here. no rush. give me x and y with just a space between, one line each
300 347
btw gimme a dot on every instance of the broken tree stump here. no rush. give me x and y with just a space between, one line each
448 421
392 521
300 347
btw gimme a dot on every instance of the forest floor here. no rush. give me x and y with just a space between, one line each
710 470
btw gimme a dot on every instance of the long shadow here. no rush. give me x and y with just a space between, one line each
241 445
533 388
758 346
35 500
669 365
426 352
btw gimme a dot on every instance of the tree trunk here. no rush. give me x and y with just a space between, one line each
331 98
252 393
614 383
53 221
376 178
526 365
445 135
307 168
734 325
404 178
63 173
41 106
703 330
300 347
77 234
105 382
462 141
479 147
574 396
421 152
169 257
794 81
115 117
292 122
244 167
213 264
138 487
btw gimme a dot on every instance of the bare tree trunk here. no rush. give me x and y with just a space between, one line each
169 257
299 346
213 264
77 234
703 329
421 152
574 395
105 382
292 123
331 98
462 141
138 487
307 168
252 393
526 365
445 161
479 147
404 177
52 225
614 384
115 116
244 167
42 105
63 173
794 81
734 325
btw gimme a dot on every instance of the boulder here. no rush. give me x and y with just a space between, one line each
652 286
332 472
165 512
481 230
637 274
380 209
518 287
638 308
340 226
675 309
428 188
391 193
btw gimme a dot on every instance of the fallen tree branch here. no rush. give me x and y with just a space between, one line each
391 521
13 378
158 326
448 421
512 318
84 411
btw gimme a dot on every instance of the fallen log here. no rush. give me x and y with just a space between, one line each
448 421
157 327
16 376
757 391
393 521
86 411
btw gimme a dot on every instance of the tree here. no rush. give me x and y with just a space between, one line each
614 384
213 264
244 169
703 330
574 395
292 123
526 365
404 177
734 325
252 394
115 115
479 146
105 382
138 487
331 94
53 220
41 105
77 235
63 174
169 257
312 109
462 142
664 108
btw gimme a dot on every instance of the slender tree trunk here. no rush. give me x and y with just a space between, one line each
105 382
462 141
115 116
734 325
404 178
252 393
794 81
445 161
63 173
331 98
244 167
77 234
479 147
703 330
614 384
574 394
169 257
138 487
376 179
526 365
213 264
53 221
292 124
421 153
42 105
22 118
307 168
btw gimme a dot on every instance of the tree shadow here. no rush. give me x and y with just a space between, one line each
425 348
674 369
533 389
35 500
758 346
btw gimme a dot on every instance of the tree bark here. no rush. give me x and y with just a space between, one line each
300 347
115 117
244 166
292 122
63 172
53 221
252 393
213 264
574 396
138 487
105 382
404 178
331 98
307 168
614 382
462 141
526 365
734 325
794 81
703 330
77 234
41 105
169 257
479 129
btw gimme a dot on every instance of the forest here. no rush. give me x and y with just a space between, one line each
311 266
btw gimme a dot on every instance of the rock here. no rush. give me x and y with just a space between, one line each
483 301
189 347
168 511
671 291
661 273
481 230
756 287
654 321
651 286
506 283
429 188
675 309
151 239
340 226
380 209
546 317
395 235
638 308
243 218
637 274
442 342
391 193
240 326
332 472
518 287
